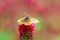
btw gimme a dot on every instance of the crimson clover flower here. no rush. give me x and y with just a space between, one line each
26 27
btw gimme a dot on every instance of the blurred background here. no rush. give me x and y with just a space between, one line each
46 11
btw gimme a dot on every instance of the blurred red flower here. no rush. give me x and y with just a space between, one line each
24 27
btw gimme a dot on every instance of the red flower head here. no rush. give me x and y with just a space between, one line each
26 26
